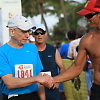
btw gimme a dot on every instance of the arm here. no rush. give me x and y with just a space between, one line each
60 64
76 68
13 82
41 92
59 61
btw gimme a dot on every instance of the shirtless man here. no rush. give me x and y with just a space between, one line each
89 44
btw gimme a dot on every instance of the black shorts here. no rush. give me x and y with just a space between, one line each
95 92
28 96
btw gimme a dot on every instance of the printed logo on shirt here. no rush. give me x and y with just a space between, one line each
27 51
49 56
20 67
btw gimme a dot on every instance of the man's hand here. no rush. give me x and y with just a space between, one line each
46 80
56 85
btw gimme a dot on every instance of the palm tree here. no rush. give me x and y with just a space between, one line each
40 8
66 7
65 15
31 8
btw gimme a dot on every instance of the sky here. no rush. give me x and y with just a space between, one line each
79 0
50 20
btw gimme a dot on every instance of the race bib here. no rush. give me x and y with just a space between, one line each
23 70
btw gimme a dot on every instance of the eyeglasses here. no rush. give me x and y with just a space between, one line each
37 33
88 16
22 31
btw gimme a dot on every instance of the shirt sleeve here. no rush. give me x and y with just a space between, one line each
4 65
70 51
62 50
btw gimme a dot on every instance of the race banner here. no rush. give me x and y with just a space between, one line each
8 8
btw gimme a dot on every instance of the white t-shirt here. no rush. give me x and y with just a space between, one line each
72 53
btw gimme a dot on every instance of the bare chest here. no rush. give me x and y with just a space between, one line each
94 48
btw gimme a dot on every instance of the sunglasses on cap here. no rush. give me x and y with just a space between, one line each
37 33
88 16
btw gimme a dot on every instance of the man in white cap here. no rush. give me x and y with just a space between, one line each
20 64
50 59
89 45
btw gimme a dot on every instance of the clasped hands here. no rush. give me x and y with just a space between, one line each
48 81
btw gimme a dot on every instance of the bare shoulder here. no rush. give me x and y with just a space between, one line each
87 38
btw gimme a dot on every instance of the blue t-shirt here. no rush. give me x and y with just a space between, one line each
22 63
64 50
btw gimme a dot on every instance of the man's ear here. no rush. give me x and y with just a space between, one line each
11 32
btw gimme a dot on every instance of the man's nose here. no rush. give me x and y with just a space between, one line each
27 34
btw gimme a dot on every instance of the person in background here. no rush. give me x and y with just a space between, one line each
57 44
89 45
20 64
64 48
50 59
72 53
31 39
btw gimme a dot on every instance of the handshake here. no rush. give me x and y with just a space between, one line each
46 80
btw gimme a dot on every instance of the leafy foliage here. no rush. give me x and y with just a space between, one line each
30 8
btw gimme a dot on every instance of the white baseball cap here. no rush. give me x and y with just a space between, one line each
20 22
38 26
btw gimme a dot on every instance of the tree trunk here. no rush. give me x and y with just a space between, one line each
65 15
40 7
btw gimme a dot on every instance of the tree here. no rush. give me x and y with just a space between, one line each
40 8
39 4
65 15
66 7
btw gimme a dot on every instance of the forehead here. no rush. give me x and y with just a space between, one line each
39 30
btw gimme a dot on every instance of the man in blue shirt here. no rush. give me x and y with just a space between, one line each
64 48
20 64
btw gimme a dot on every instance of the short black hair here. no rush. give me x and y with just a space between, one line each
71 35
